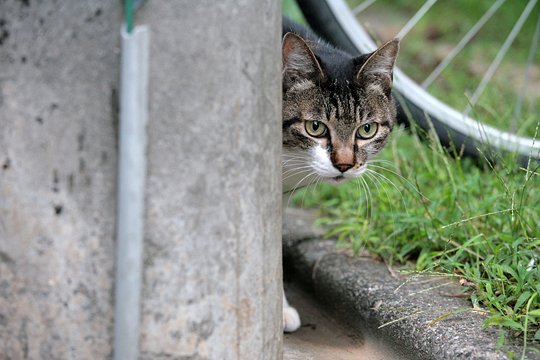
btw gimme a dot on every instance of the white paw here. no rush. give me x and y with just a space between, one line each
291 319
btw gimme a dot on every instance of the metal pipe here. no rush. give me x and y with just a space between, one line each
363 6
462 43
131 182
526 75
416 18
499 57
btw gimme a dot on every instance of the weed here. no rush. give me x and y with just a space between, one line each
431 209
447 215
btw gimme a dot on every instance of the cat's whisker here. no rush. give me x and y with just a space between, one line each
291 193
294 156
381 161
380 186
357 182
299 173
370 197
298 166
299 159
379 166
368 202
416 190
284 159
307 189
386 179
360 186
291 162
375 181
293 172
319 178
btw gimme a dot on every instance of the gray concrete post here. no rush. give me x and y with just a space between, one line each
212 277
213 247
59 65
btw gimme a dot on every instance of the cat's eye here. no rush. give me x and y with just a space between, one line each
367 131
315 128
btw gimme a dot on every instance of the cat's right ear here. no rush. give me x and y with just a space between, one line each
299 62
378 67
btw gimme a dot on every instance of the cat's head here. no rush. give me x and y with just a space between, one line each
337 110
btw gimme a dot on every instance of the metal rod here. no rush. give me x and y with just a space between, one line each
128 15
521 95
498 58
415 19
131 182
462 43
363 6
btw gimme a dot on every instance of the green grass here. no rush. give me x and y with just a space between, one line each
430 212
446 215
291 9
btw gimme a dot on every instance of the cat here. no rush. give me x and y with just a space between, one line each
338 111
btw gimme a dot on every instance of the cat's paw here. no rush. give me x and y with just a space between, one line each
291 319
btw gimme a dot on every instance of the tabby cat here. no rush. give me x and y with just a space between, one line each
338 111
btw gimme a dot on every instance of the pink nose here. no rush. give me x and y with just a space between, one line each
343 167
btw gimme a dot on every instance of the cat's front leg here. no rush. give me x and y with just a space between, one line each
291 319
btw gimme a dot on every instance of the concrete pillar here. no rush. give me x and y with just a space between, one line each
212 280
58 79
212 277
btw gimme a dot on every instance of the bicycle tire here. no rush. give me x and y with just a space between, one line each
334 22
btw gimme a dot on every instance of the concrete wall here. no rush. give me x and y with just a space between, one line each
58 79
212 245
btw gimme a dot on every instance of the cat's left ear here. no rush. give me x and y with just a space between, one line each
299 62
378 68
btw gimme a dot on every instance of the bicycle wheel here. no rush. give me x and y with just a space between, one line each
335 21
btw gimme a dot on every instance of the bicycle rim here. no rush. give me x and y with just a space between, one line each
334 20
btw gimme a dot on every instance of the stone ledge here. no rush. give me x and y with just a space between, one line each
362 291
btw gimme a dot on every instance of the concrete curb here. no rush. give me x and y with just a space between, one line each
360 290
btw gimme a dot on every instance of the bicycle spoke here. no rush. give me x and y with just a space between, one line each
521 95
363 6
415 19
462 43
498 58
343 28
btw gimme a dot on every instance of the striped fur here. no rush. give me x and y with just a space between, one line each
344 93
347 97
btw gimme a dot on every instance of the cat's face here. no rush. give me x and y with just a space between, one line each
334 119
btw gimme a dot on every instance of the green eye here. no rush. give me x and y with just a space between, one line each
367 131
315 128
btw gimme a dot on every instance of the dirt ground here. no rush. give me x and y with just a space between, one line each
322 338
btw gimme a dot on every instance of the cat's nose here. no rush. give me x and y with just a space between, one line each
343 167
